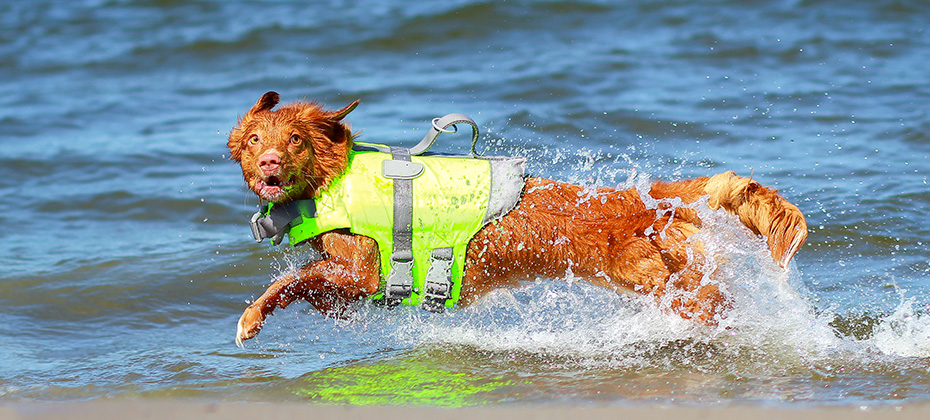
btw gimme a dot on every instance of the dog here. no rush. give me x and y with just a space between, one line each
609 237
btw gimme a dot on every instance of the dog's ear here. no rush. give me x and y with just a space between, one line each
340 114
265 103
341 131
235 143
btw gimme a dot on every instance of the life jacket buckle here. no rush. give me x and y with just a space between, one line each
437 286
399 283
263 227
256 228
275 221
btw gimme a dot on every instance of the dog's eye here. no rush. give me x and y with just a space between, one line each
295 139
253 140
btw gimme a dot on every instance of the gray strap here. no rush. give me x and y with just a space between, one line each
441 125
399 283
437 287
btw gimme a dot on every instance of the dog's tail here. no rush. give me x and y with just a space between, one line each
762 210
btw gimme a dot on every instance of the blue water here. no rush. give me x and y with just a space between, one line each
126 259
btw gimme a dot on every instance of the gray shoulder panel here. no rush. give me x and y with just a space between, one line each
507 180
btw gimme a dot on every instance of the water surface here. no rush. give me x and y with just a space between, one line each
126 259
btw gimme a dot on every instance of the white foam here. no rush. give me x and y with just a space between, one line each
903 333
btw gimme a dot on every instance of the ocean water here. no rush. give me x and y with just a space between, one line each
126 260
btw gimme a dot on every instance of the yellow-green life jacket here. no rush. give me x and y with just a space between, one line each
450 198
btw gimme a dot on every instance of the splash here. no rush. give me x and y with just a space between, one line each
771 325
905 332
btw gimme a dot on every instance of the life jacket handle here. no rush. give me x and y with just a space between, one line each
441 125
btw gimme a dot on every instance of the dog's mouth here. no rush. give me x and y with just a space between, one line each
273 188
274 181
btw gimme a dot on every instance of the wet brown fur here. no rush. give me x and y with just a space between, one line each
609 237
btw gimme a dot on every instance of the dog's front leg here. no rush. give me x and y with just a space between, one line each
279 294
348 271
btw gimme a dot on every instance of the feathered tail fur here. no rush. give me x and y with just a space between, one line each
762 210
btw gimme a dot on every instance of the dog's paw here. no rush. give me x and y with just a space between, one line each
250 323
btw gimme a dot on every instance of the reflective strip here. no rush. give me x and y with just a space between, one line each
399 283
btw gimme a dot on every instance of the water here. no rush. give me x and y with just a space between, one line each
127 260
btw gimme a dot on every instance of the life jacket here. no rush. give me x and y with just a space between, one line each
421 209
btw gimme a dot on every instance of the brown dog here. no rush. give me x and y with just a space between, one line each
611 239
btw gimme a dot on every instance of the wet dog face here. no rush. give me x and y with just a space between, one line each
293 152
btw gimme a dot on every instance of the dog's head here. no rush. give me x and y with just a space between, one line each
293 152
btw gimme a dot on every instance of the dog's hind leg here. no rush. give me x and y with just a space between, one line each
668 266
686 292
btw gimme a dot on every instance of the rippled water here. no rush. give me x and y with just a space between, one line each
127 260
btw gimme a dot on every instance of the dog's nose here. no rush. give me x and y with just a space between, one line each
269 163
